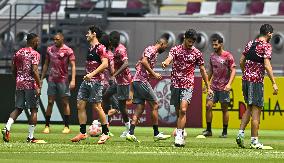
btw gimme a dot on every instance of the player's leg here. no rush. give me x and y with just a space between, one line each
225 101
51 92
255 119
83 95
64 92
209 115
122 96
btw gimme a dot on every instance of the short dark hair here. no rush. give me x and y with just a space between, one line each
105 40
217 37
191 34
31 36
97 30
265 29
114 38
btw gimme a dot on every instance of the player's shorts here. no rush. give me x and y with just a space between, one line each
143 91
113 102
90 91
62 89
253 93
26 99
221 96
180 94
121 91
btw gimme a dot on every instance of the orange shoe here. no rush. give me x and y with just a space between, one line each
79 137
103 139
6 135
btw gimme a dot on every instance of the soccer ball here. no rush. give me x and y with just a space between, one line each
95 129
175 133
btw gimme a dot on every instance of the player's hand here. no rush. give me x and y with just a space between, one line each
72 85
164 65
158 76
275 88
87 77
37 91
228 87
210 92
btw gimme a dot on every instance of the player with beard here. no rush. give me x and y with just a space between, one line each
255 60
143 91
222 70
184 58
25 70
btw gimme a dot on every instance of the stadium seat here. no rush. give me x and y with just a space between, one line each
238 8
256 7
207 8
270 8
51 6
119 4
192 7
281 8
223 7
134 4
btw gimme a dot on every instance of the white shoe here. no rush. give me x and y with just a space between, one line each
184 132
179 141
256 145
123 135
161 136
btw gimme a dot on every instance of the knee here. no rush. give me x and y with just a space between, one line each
20 110
208 107
80 106
50 102
183 111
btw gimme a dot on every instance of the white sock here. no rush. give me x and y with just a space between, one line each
180 132
254 140
31 131
9 123
242 133
127 125
107 119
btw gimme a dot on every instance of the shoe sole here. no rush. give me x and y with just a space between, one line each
179 145
103 142
158 139
240 143
79 140
4 136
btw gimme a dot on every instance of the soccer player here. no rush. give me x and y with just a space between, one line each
184 58
91 88
122 76
25 69
110 103
58 57
255 60
222 71
143 91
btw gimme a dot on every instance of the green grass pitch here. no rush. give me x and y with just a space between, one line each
60 149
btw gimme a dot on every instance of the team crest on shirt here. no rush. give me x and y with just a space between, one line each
61 54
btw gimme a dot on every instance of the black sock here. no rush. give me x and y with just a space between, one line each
131 130
156 130
47 120
208 126
105 129
225 127
83 128
66 120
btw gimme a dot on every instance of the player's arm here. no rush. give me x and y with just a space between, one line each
242 63
269 71
73 74
101 68
146 64
210 71
205 78
44 69
167 62
36 77
122 67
